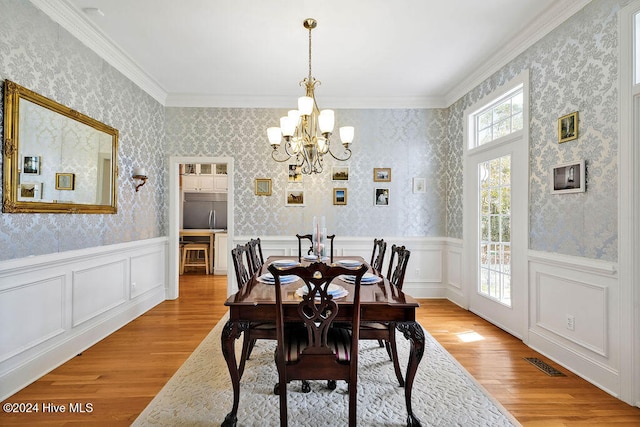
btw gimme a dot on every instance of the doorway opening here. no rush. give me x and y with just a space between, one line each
175 220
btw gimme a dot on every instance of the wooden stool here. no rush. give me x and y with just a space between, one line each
197 247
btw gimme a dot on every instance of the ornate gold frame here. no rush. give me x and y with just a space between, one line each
11 161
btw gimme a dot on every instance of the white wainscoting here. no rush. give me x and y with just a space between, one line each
586 290
426 271
54 306
454 287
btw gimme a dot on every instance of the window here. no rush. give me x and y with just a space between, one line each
495 229
498 119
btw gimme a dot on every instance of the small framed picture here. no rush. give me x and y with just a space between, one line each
294 197
263 186
381 197
31 165
382 174
339 196
419 185
340 173
31 190
65 181
295 173
568 178
568 127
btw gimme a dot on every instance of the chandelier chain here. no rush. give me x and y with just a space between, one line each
310 54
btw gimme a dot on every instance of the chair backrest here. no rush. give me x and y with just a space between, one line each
255 255
317 351
377 256
309 237
302 237
399 256
239 254
317 308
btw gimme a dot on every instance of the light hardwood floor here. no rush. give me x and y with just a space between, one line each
122 373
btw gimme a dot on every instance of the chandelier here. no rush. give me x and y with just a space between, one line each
307 130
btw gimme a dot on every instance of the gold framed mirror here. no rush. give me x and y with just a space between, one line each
56 160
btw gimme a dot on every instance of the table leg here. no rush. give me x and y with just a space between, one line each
230 334
414 333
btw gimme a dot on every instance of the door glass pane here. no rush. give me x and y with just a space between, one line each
495 229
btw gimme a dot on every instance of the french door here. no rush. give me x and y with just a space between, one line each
495 233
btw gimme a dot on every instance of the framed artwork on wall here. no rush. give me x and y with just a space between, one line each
568 178
294 197
31 165
339 196
65 181
31 190
381 197
419 185
382 174
340 173
263 186
295 173
568 127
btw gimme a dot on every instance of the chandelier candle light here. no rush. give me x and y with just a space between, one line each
307 130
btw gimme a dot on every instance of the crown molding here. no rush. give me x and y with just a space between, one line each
543 25
71 19
194 100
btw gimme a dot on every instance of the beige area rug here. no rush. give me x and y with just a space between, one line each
444 394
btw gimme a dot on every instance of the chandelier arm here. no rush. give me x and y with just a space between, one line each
342 159
273 156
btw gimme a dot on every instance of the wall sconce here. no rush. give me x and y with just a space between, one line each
141 175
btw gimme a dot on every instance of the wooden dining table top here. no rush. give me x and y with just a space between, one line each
379 301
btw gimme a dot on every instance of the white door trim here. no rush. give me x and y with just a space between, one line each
629 209
173 256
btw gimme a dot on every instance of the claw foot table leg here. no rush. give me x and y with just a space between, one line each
230 334
414 333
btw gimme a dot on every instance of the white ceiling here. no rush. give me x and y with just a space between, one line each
253 53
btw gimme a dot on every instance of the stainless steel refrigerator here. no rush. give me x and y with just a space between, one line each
204 211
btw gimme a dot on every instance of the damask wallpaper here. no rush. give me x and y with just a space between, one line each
574 68
410 142
38 54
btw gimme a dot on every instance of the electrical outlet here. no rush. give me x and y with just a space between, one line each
571 322
133 285
417 272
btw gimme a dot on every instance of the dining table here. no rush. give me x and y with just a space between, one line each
379 302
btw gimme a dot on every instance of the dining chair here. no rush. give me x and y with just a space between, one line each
396 272
255 255
377 256
314 349
238 255
256 330
386 331
309 237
